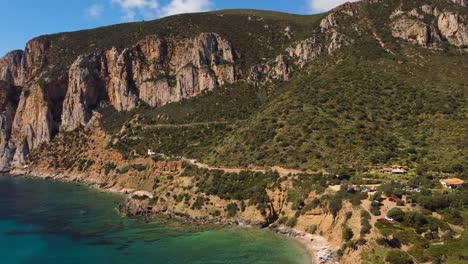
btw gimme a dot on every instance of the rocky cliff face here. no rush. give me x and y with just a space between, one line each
411 26
155 71
83 92
33 123
463 3
12 68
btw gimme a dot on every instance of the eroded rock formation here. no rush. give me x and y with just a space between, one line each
156 71
449 26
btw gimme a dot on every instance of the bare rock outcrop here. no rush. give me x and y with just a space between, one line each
40 95
328 23
82 93
12 68
7 114
33 123
119 85
284 65
447 26
160 70
156 70
337 41
414 31
463 3
305 51
453 29
36 55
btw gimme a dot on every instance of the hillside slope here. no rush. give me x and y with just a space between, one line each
377 100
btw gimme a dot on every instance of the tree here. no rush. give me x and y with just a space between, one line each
397 214
347 233
232 209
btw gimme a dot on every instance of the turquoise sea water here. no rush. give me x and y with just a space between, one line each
53 222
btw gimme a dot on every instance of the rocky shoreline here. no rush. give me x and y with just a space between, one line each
315 246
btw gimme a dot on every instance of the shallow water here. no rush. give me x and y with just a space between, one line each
54 222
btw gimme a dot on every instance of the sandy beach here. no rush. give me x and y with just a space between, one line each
317 247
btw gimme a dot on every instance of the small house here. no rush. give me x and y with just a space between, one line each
151 152
452 183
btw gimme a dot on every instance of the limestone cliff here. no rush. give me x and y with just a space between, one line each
411 25
155 71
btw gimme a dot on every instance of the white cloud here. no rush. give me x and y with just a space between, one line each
185 6
130 4
131 8
150 9
325 5
94 11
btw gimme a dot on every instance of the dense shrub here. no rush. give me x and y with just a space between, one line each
397 214
312 229
375 210
347 233
246 185
282 220
232 209
292 222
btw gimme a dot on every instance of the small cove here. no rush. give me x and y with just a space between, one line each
54 222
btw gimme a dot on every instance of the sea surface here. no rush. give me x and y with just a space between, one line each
54 222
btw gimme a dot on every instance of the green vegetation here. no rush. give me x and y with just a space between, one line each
360 108
226 104
304 184
312 229
347 233
398 257
232 209
200 201
108 167
291 222
360 112
365 225
335 202
245 185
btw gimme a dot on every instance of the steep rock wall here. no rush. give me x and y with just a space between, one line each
37 101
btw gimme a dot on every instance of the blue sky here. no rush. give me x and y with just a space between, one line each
21 20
